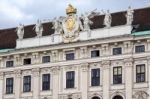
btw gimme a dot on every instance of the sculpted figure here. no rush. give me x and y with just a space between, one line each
57 26
107 19
20 31
129 16
38 28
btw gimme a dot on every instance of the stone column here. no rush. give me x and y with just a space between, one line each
84 80
36 83
106 79
55 80
1 85
128 64
17 84
35 58
148 67
17 60
54 55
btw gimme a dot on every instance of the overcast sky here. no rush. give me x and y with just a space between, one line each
13 12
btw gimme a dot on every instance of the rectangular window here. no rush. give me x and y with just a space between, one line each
45 59
9 85
9 63
95 77
46 82
70 56
27 84
139 48
70 78
27 61
95 53
140 73
117 51
117 75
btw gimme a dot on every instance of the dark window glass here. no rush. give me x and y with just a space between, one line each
117 51
95 53
95 77
9 63
117 75
69 56
70 78
27 84
118 97
140 73
46 82
45 59
139 48
9 85
27 61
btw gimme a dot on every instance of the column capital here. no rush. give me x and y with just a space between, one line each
1 75
55 70
36 72
106 64
17 73
84 67
128 62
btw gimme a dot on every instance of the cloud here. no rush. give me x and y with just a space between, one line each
28 11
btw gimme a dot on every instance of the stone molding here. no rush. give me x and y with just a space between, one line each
85 67
17 73
128 62
1 75
106 64
55 70
36 72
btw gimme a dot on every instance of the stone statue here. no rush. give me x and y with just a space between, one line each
107 19
20 31
38 28
57 25
86 19
129 16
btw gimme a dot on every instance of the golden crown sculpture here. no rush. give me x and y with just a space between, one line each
71 9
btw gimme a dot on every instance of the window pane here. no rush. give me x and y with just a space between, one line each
95 53
46 82
27 84
9 63
70 56
46 59
140 73
117 51
95 77
117 75
9 85
27 61
70 78
139 48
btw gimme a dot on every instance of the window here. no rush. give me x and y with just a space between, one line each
45 59
95 77
117 51
27 61
139 48
95 53
70 78
70 56
27 84
117 75
9 85
140 73
9 63
46 82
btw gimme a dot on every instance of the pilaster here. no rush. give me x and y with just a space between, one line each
35 58
84 80
106 79
17 83
128 64
148 61
55 72
36 82
1 84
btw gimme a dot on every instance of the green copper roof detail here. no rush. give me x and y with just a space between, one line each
141 33
6 50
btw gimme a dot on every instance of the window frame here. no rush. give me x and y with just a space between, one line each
9 61
139 50
27 83
9 86
26 59
113 51
46 82
93 78
117 76
69 52
95 50
70 83
46 61
141 73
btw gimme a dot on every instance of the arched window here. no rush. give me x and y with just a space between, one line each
95 98
117 97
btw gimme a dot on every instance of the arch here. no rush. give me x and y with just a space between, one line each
117 97
117 93
95 97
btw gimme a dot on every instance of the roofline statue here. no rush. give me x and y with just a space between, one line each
38 28
129 16
107 19
20 31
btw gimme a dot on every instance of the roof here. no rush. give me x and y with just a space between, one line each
141 22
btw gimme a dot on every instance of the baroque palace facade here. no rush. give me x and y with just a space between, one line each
95 56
